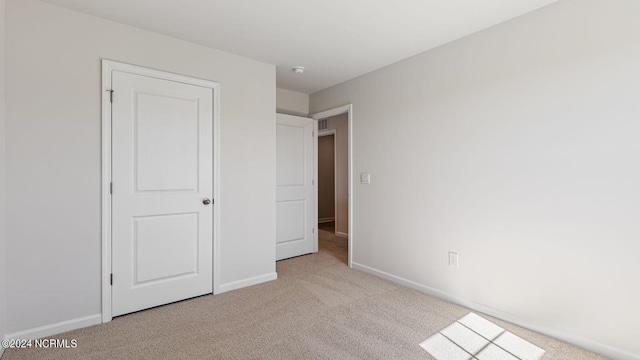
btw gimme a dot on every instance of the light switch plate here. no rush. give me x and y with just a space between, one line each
365 178
453 259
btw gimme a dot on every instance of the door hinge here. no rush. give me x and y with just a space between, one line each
313 182
111 188
111 279
110 95
313 230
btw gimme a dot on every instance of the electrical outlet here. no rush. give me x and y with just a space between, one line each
453 259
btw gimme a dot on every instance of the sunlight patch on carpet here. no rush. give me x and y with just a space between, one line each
475 338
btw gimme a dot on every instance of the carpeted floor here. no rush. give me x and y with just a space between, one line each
317 309
329 226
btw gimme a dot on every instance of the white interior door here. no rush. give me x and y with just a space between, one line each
296 215
162 228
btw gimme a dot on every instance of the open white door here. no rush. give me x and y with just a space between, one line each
296 210
162 191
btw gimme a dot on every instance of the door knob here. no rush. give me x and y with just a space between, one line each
206 201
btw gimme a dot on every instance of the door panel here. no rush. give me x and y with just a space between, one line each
291 225
166 143
162 151
295 189
290 153
157 254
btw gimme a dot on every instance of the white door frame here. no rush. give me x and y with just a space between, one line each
333 112
333 132
108 67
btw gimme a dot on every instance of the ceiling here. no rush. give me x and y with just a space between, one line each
335 40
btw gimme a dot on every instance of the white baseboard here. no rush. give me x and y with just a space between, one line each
57 328
247 282
342 235
597 347
326 220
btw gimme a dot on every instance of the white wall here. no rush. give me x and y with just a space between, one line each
292 102
516 147
340 123
53 155
2 178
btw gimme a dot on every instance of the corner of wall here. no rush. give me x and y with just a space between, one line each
446 124
292 102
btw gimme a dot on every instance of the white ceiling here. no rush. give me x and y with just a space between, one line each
336 40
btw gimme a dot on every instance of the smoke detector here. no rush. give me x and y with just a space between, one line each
298 69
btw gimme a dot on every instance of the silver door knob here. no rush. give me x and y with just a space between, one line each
206 201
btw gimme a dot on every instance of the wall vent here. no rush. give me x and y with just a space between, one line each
323 124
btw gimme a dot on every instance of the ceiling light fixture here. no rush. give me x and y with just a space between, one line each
298 69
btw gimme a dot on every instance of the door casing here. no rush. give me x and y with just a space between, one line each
108 66
333 112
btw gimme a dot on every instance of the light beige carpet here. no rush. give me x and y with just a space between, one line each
317 309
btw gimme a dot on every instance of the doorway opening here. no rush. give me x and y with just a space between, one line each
334 181
327 194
